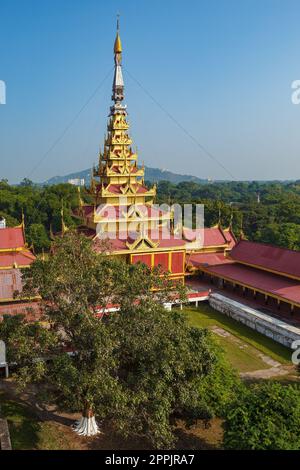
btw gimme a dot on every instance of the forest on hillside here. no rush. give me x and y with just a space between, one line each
265 212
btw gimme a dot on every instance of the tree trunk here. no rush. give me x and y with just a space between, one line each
87 425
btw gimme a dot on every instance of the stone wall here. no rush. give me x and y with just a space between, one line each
5 443
274 328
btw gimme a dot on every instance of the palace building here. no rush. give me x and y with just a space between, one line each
123 209
124 221
263 274
14 256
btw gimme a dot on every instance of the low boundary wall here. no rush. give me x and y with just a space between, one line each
271 327
5 443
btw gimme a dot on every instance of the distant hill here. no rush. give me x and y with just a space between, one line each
151 174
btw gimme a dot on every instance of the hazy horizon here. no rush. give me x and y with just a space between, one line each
213 74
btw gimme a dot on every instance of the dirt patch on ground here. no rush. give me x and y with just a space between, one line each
53 429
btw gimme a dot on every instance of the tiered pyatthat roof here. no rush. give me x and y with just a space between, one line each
123 206
117 174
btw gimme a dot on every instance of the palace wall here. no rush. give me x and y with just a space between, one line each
271 327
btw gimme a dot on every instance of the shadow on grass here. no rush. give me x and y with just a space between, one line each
23 426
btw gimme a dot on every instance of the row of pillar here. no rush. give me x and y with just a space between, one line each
222 284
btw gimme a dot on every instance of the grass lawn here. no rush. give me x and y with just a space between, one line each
204 316
27 432
242 359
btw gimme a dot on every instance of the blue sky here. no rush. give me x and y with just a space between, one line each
222 69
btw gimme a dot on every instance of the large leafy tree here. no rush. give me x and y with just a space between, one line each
77 361
264 417
140 367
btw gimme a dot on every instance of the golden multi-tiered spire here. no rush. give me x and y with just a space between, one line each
118 175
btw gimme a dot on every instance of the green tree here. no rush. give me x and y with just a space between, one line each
38 237
289 236
73 284
26 182
26 343
140 367
264 417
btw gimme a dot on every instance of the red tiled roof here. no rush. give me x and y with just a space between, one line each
230 237
116 188
280 286
172 242
208 259
87 210
120 243
17 258
117 169
134 169
280 260
121 211
11 237
212 236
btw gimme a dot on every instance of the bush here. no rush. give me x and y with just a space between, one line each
221 386
264 417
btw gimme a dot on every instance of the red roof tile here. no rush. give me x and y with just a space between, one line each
116 188
120 243
212 236
274 284
112 212
87 210
208 259
17 258
11 237
280 260
230 237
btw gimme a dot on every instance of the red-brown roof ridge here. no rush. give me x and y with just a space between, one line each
268 257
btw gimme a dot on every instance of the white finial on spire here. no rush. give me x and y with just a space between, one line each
118 83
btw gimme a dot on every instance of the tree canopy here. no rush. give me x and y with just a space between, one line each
140 368
274 219
264 417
